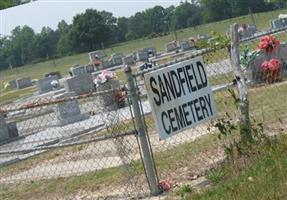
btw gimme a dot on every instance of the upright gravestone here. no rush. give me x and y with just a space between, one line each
277 24
89 69
45 85
151 51
13 84
107 101
24 83
81 84
4 133
254 69
99 55
77 70
117 59
7 131
142 55
129 60
68 111
186 45
172 46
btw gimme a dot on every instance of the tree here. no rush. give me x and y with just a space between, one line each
122 25
186 15
64 45
89 31
22 45
45 43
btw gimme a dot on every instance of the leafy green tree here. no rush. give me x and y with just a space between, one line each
64 45
89 31
45 43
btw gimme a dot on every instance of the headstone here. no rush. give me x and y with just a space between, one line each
81 84
13 130
23 83
283 56
77 70
68 112
277 24
129 60
172 46
142 55
151 51
44 85
57 74
117 59
89 69
7 131
107 101
254 68
186 45
13 84
4 132
96 55
252 29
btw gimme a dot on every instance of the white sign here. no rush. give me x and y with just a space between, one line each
180 97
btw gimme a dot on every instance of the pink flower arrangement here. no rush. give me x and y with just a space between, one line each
271 70
165 185
269 43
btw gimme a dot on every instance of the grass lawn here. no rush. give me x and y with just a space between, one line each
263 178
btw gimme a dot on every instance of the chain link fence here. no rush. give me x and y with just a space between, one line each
70 147
91 147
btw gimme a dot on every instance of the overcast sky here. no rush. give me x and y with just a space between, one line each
49 12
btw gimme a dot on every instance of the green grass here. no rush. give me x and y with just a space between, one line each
263 178
63 187
9 95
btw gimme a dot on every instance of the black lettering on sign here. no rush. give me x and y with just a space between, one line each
169 86
181 79
155 91
207 99
162 90
177 87
197 110
164 115
202 74
179 115
172 120
190 77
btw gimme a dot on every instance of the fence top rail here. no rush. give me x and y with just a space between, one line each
178 60
46 102
264 33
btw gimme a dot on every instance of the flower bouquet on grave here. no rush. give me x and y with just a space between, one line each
119 95
269 45
271 70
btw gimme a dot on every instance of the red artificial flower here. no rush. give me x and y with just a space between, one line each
271 70
269 43
165 185
265 65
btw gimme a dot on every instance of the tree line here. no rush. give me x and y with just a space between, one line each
99 29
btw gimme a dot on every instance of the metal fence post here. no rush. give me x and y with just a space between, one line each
147 157
245 127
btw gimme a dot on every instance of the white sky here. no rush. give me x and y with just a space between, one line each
49 12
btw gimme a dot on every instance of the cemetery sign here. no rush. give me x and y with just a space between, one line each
180 97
